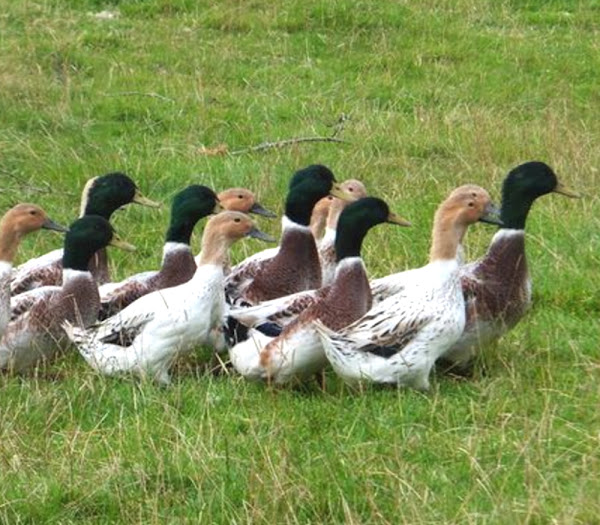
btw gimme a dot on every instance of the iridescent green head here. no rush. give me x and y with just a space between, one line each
356 220
522 186
105 194
85 237
306 188
189 206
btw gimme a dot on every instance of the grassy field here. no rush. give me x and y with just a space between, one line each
437 94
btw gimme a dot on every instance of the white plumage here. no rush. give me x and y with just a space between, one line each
147 336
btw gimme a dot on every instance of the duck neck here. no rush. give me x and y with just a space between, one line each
76 259
91 206
349 297
447 237
180 232
335 210
514 210
215 248
81 288
9 243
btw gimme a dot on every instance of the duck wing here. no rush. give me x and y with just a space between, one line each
242 274
114 297
45 270
22 304
281 311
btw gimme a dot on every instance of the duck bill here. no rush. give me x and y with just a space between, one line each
49 224
567 192
491 215
338 192
257 234
138 198
396 219
117 242
259 210
218 208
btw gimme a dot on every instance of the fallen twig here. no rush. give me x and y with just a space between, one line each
138 94
223 149
282 143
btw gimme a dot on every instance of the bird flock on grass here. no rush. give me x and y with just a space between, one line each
284 314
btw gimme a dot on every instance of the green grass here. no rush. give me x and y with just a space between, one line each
439 93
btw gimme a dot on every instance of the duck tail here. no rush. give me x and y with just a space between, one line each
79 337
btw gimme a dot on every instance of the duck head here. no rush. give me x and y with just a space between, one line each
222 231
306 188
464 206
241 199
85 237
522 186
18 222
188 207
105 194
357 219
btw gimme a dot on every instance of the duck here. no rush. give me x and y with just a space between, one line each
273 315
101 196
497 287
297 352
398 341
294 265
146 337
326 245
34 331
178 265
17 222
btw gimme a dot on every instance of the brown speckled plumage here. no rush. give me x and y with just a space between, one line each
295 268
37 315
496 288
177 268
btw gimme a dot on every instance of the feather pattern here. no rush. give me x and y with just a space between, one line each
399 340
178 267
146 336
497 290
34 331
5 273
297 353
293 268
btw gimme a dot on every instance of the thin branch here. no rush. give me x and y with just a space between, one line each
138 94
287 142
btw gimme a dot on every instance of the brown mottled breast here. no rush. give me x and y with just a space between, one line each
348 299
496 288
77 302
178 267
295 268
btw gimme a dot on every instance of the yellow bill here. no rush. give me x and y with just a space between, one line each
138 198
568 192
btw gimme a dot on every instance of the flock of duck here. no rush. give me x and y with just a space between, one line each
284 313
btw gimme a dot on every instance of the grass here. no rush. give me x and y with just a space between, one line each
439 93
